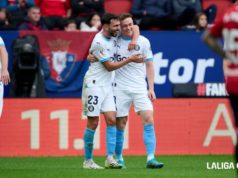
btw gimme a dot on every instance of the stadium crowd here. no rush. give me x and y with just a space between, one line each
86 14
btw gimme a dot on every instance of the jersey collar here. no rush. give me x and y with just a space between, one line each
126 38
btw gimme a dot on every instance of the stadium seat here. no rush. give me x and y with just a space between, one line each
117 6
221 5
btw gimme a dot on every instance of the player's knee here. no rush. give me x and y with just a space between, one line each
148 118
92 123
121 123
111 121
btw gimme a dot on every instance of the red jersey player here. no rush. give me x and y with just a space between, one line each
227 28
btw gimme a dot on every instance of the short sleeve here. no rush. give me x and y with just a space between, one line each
1 42
147 52
99 52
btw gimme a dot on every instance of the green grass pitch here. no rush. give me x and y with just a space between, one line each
71 167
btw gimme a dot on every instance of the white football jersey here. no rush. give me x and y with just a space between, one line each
132 75
103 49
1 44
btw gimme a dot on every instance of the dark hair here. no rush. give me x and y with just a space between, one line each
8 15
69 21
124 15
33 7
107 17
88 21
196 19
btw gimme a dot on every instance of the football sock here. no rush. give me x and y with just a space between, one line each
119 144
88 143
149 140
111 140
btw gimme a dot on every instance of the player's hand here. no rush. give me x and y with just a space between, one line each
138 58
132 45
91 58
5 77
151 95
98 24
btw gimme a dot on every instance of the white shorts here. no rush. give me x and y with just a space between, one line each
124 99
97 100
1 98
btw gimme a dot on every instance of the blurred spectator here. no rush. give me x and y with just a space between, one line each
17 8
54 12
92 24
5 20
184 11
148 12
33 21
200 22
211 12
165 14
82 9
71 26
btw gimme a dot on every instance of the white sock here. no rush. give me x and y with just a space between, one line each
109 156
150 157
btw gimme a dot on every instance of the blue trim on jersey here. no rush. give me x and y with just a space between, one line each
105 38
104 59
127 38
149 59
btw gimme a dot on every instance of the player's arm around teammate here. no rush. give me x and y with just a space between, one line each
111 66
135 36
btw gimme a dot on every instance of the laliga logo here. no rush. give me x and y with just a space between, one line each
175 67
59 52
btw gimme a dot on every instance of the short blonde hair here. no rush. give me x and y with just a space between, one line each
124 15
